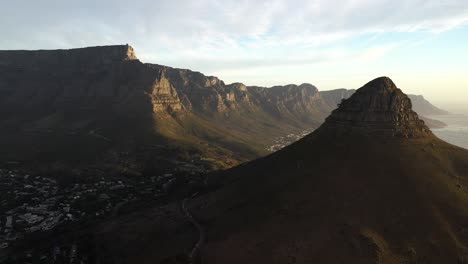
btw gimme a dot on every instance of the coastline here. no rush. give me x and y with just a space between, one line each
456 131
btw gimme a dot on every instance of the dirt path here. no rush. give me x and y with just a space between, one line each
195 256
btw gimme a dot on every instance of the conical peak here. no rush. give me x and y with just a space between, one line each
378 95
379 108
381 84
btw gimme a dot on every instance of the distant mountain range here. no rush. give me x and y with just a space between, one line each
101 107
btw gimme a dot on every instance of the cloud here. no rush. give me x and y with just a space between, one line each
224 33
374 53
235 18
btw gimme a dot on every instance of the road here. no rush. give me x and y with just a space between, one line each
195 256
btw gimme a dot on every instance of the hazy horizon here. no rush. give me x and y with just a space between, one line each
453 108
421 45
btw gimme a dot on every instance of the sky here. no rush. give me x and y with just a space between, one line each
421 45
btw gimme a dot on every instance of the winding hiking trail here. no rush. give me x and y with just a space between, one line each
195 257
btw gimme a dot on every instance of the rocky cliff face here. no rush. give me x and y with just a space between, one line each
164 95
379 107
302 102
424 107
334 97
207 95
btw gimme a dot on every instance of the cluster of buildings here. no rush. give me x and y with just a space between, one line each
283 141
31 203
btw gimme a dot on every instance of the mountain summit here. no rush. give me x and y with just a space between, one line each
379 108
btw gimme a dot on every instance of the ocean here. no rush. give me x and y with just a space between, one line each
456 132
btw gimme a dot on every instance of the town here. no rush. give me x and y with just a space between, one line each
283 141
33 204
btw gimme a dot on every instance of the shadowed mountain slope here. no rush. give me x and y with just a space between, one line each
77 106
371 185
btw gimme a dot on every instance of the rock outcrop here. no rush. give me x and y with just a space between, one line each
164 95
296 102
198 92
379 107
205 94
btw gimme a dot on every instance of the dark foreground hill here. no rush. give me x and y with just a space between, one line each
371 185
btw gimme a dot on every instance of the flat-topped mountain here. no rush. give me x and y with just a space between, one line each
81 106
371 185
100 55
